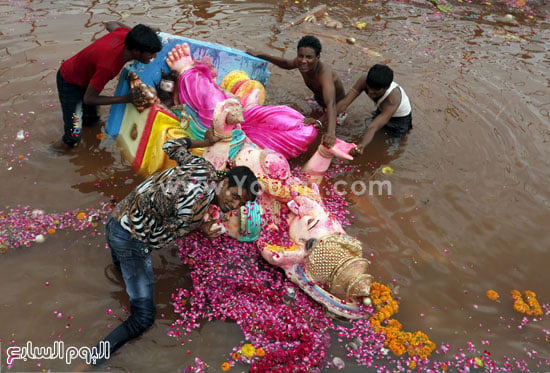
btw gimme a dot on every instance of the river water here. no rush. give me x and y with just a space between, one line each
469 205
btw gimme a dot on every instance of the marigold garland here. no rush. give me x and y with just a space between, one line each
531 307
398 341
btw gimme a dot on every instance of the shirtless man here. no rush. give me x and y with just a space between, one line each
393 109
323 82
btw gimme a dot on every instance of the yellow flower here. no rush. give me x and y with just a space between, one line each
226 366
479 362
360 25
248 350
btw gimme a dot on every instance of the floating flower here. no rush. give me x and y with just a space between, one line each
51 231
479 362
491 294
81 215
387 170
248 350
226 366
235 355
531 307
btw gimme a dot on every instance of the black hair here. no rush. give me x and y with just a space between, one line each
143 39
312 42
243 177
379 76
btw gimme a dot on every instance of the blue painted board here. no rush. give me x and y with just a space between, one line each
224 59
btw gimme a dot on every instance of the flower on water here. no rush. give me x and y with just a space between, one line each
236 355
491 294
248 350
226 366
81 215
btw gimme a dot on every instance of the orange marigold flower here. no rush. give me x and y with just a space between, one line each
226 366
491 294
81 215
235 355
260 352
51 230
100 136
412 364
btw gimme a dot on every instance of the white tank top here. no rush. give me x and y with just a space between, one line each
404 108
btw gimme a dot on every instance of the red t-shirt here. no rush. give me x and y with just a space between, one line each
98 63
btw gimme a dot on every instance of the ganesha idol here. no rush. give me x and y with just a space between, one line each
289 221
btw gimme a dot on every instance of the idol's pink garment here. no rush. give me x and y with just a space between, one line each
279 128
198 89
276 127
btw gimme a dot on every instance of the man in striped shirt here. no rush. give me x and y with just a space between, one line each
165 207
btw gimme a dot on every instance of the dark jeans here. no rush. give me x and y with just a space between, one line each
397 126
75 112
133 258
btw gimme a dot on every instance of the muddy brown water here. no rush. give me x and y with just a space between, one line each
470 204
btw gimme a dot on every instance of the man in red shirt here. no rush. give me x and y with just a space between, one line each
81 78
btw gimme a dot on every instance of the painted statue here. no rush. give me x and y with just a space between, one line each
289 221
276 127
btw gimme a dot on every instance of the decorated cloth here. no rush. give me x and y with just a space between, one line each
98 63
279 128
170 204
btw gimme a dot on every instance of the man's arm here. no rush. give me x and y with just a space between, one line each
353 93
329 97
113 25
209 139
283 63
387 109
92 97
176 149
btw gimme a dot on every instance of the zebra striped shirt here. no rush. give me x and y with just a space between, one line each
171 203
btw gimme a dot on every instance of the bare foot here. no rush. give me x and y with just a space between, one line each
179 58
60 147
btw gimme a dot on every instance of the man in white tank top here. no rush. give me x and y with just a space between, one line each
393 111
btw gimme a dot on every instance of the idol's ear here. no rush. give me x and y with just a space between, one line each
294 206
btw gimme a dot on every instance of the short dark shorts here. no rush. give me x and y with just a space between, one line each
397 126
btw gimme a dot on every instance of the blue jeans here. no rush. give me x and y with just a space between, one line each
75 112
133 258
